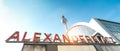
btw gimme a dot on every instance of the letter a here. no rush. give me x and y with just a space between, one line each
14 36
57 38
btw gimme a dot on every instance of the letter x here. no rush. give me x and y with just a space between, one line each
47 37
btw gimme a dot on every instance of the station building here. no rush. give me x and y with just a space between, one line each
96 27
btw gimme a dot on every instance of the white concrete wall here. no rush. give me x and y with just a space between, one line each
76 48
110 48
72 48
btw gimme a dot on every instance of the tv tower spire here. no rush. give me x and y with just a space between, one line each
64 21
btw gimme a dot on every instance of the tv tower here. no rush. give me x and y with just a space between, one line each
64 21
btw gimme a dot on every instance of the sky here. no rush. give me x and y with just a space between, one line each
45 16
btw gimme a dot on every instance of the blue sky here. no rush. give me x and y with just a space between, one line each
45 15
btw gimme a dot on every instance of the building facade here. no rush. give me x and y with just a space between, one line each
96 26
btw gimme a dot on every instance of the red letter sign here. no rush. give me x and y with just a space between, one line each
56 38
36 37
25 40
14 36
66 38
47 37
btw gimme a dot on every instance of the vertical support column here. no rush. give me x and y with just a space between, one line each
27 48
51 48
32 47
98 47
